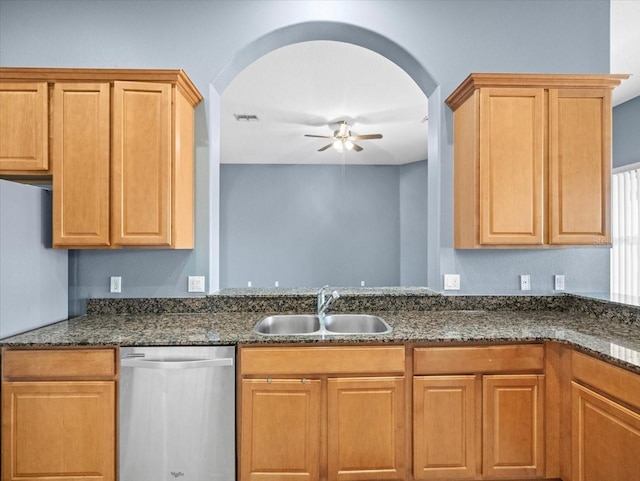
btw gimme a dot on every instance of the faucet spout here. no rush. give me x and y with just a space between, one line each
325 301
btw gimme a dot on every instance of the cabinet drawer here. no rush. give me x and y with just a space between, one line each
275 361
59 364
614 381
462 360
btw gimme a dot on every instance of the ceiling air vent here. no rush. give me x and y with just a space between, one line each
246 118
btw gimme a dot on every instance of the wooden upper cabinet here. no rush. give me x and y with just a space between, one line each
122 146
532 159
24 127
141 167
579 166
81 136
511 165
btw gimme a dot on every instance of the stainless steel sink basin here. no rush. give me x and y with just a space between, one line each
309 324
287 325
356 324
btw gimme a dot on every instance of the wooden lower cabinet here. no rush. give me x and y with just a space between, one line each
282 426
478 427
280 429
59 414
58 431
478 412
513 426
446 427
365 424
605 438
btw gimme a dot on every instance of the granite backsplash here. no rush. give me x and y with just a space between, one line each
362 300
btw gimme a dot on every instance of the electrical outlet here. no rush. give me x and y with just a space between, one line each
558 282
115 284
248 283
362 283
277 284
525 282
196 284
452 282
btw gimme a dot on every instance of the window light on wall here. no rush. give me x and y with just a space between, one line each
625 229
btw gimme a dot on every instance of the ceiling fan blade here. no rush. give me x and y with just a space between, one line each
365 137
357 148
319 136
325 147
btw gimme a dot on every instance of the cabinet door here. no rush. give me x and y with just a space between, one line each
579 166
280 430
58 431
141 164
366 428
605 438
513 426
24 126
81 133
512 129
446 427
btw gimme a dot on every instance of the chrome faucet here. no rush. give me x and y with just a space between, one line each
325 301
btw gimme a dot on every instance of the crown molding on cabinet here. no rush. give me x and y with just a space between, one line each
176 77
527 80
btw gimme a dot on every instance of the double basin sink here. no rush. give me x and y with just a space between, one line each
309 324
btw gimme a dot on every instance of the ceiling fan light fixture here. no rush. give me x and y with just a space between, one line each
342 138
344 129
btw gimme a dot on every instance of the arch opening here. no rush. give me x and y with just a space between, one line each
306 32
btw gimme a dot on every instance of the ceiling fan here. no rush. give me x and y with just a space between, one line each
342 138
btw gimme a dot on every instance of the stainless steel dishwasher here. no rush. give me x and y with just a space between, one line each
177 414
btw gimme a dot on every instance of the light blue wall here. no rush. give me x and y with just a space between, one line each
309 225
33 276
414 230
449 39
626 133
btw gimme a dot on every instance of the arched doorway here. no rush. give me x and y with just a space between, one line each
333 31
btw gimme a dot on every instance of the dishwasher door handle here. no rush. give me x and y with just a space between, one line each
190 364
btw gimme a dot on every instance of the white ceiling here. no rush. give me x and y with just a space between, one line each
307 88
625 47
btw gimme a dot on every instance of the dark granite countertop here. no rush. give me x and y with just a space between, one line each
612 339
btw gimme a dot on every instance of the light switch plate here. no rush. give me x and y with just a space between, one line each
558 282
115 284
196 284
452 282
